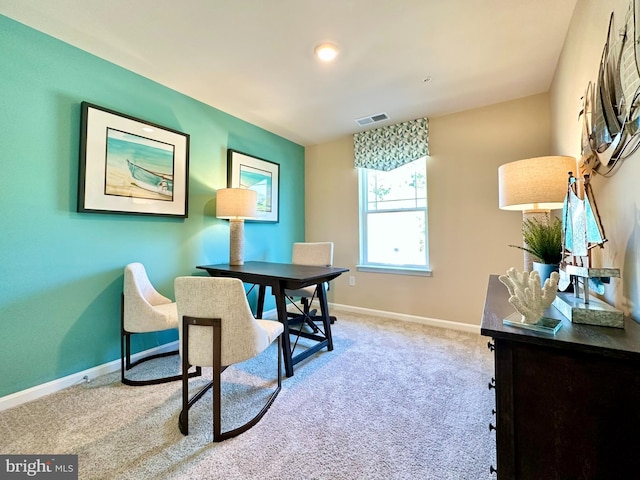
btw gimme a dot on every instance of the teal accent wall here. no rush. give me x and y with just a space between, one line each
61 271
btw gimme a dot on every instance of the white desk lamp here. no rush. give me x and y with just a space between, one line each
236 205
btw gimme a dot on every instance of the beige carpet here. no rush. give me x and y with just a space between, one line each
394 400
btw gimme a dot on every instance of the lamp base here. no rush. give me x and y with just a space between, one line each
236 242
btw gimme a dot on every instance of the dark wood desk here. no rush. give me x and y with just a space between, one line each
281 277
567 406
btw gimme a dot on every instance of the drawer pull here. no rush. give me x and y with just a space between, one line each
492 383
492 470
491 346
492 427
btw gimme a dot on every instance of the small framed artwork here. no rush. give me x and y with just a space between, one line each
131 166
263 176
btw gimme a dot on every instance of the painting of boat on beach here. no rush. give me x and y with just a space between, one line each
138 167
130 166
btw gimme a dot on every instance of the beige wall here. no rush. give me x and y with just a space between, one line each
618 197
468 234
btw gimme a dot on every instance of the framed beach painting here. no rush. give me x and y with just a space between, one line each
263 176
131 166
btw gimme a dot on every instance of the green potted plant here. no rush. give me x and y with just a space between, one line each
544 241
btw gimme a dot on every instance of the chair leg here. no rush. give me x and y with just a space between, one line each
306 316
217 371
312 313
125 358
126 364
183 418
218 368
122 355
219 436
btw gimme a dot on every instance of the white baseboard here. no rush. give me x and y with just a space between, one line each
39 391
432 322
33 393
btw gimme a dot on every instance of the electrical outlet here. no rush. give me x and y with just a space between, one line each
352 281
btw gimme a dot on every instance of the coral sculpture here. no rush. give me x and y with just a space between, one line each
527 296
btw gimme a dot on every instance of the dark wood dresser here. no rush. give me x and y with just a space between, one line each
567 406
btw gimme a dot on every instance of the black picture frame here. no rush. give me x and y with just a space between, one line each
131 166
263 176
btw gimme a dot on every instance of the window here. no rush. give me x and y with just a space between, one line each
393 219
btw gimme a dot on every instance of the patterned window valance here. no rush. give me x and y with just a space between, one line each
390 147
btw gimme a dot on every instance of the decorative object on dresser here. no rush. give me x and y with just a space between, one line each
566 405
543 241
534 186
582 231
236 205
530 300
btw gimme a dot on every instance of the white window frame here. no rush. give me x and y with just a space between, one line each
363 211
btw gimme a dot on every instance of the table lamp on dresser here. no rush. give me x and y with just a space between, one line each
534 186
236 205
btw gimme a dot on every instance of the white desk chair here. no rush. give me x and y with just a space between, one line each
143 310
217 330
319 254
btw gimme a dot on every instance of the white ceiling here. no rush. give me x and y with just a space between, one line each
254 58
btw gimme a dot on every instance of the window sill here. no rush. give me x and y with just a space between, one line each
420 272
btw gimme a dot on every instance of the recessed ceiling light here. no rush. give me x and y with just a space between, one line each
326 52
147 129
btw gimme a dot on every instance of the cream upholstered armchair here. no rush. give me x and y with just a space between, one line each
318 254
144 310
217 329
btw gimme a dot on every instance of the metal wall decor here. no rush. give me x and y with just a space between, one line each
611 107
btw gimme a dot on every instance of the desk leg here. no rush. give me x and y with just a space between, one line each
260 306
326 320
281 306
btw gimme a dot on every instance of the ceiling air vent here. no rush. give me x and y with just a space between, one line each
372 119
